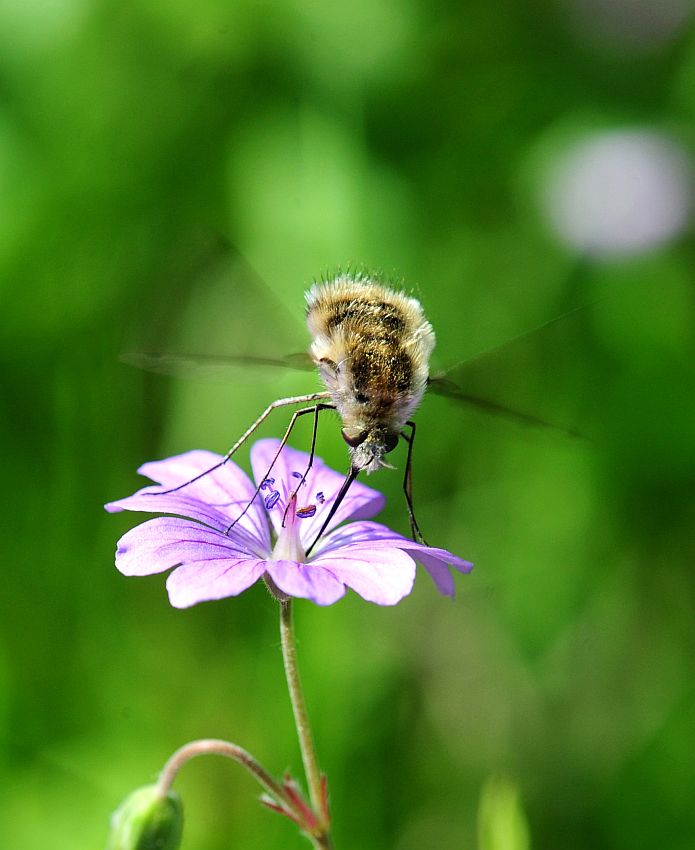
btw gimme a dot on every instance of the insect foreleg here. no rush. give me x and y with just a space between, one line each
408 484
315 410
281 402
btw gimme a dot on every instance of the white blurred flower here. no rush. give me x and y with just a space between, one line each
619 193
632 27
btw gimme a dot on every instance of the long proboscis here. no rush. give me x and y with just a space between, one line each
349 479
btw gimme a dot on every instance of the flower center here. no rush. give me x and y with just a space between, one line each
288 546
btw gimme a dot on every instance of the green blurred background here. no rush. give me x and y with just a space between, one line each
167 166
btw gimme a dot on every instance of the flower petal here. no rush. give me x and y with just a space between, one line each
358 533
164 542
213 579
212 561
439 573
217 485
361 502
384 577
216 499
150 500
379 538
308 581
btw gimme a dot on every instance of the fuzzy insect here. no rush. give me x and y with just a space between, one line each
371 345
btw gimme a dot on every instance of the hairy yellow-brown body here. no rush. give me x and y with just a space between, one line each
372 346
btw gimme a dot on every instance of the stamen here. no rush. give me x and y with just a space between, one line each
296 474
306 512
320 498
288 545
267 483
271 500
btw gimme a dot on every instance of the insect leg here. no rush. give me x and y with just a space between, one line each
281 402
315 410
408 484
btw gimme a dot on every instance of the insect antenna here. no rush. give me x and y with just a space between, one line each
349 478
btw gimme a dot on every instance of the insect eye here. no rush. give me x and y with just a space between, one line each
353 442
390 442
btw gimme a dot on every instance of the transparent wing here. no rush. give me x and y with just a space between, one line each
441 385
214 319
211 367
563 374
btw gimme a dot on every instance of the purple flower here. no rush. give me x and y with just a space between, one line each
214 561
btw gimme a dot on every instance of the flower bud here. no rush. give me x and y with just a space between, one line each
502 823
147 820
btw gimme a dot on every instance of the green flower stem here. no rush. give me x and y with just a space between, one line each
322 842
301 719
214 746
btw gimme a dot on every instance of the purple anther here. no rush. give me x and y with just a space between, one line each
271 500
306 512
297 475
267 483
320 498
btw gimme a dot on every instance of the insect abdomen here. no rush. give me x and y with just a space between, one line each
379 342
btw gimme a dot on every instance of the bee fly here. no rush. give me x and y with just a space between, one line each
371 345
